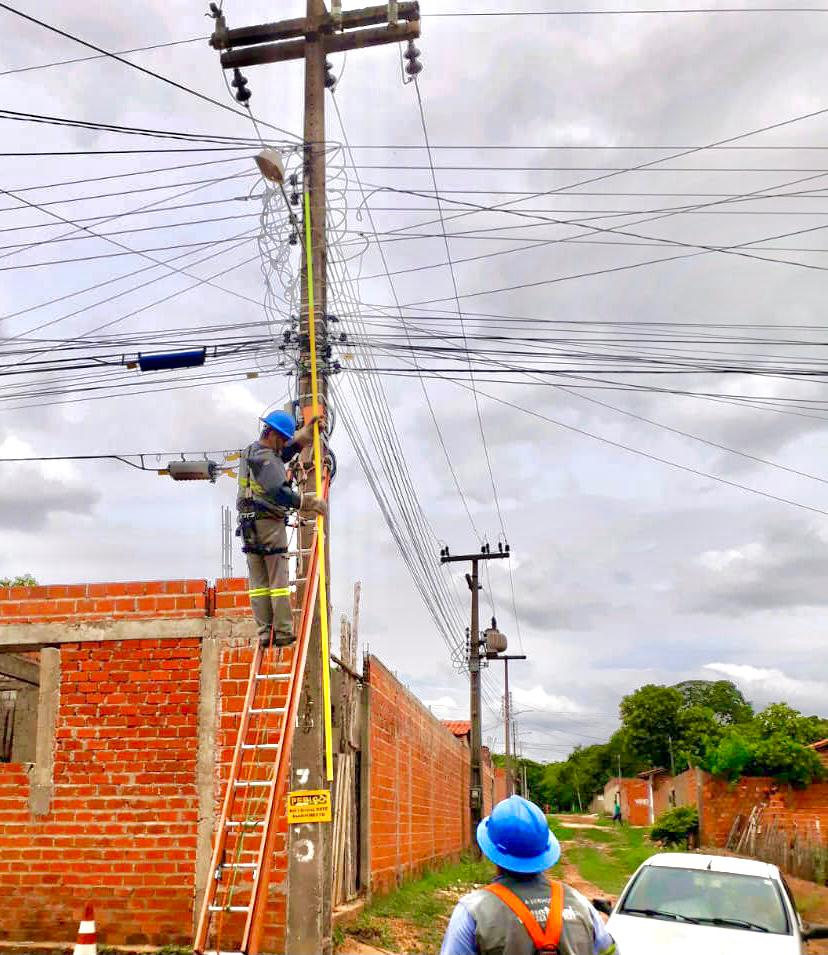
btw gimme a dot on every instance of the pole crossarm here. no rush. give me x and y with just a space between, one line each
292 35
451 559
224 39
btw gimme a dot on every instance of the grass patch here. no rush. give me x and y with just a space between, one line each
805 905
609 868
423 904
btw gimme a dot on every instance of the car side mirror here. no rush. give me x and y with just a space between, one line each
810 932
605 906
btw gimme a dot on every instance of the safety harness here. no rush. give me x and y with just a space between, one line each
251 512
546 941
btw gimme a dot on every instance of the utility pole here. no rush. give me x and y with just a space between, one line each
312 38
226 543
619 766
507 701
472 579
507 715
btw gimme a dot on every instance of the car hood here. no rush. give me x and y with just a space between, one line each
644 936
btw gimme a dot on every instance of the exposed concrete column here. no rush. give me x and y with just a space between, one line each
42 779
206 763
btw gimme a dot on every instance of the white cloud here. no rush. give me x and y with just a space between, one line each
444 707
770 683
538 699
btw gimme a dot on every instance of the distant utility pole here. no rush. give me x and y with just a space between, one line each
507 715
226 543
312 38
472 579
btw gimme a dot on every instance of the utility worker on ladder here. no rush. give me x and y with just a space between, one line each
522 912
265 497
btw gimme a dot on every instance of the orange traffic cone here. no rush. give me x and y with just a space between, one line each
87 943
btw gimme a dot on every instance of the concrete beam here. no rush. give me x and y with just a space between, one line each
206 764
42 777
32 636
19 668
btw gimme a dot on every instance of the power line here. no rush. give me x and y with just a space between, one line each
619 12
101 56
135 66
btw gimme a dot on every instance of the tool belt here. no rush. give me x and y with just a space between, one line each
246 529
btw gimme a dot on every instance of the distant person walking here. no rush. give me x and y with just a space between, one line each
616 813
523 912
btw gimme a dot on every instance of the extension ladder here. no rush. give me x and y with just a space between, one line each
235 898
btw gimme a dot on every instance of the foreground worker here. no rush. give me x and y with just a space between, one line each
522 912
265 498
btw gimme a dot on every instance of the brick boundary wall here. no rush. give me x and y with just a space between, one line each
419 784
792 808
120 806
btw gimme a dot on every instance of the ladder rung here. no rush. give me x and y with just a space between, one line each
273 676
239 865
253 782
229 908
242 824
224 951
261 745
267 709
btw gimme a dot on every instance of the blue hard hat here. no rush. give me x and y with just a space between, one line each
281 422
516 837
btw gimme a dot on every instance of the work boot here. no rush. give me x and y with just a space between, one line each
276 638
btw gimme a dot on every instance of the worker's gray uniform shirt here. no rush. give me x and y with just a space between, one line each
498 931
263 480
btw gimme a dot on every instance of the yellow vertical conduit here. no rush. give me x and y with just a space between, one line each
320 521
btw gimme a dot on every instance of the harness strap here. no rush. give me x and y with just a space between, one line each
263 551
544 940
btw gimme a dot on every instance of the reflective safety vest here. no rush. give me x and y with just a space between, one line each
545 940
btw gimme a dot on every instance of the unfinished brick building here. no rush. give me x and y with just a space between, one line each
119 705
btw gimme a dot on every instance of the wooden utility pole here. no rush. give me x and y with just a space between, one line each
508 722
473 580
312 38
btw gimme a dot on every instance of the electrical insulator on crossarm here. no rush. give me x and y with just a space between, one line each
239 84
412 54
330 79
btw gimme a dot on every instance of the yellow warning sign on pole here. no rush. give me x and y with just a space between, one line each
308 805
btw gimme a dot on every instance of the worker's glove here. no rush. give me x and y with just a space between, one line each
314 504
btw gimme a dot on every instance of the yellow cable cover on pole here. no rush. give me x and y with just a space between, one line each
320 521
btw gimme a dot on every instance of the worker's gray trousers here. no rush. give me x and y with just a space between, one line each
269 581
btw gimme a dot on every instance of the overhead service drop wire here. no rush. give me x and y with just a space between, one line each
320 521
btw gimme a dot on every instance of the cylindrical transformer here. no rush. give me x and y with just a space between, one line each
193 470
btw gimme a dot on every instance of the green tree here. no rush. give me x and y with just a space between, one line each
24 580
699 731
721 696
651 720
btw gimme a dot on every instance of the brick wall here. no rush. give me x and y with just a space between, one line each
670 791
122 827
634 797
419 784
792 808
108 601
123 823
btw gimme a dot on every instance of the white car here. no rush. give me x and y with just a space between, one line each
681 903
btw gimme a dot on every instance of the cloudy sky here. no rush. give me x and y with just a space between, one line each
641 554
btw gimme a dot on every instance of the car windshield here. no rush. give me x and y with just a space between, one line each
723 899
